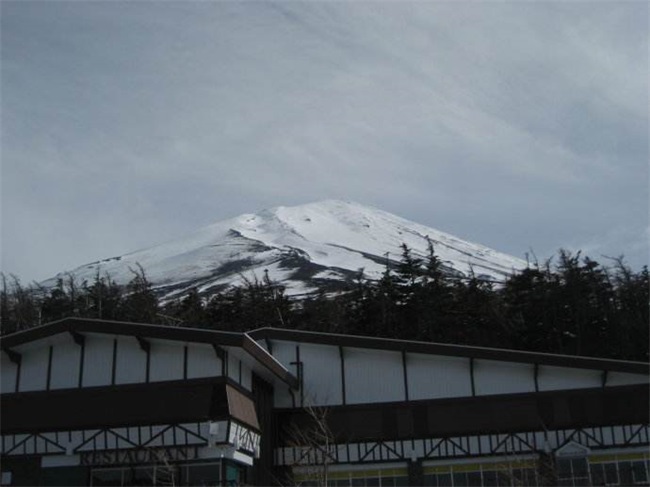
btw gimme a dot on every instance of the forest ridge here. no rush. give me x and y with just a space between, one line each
571 304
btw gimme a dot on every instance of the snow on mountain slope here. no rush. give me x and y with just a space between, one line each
304 247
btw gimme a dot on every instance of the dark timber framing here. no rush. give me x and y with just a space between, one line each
185 362
223 357
82 355
405 373
78 338
471 375
13 356
114 363
145 346
342 355
48 381
298 364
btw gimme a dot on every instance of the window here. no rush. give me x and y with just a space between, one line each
189 474
389 477
488 474
623 472
573 471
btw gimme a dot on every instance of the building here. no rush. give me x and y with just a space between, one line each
90 402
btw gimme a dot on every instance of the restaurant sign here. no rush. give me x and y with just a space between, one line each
139 456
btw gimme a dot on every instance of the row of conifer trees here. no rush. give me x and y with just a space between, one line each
571 305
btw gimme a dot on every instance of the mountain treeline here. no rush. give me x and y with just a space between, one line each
569 305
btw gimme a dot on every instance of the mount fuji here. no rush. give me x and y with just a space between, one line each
305 248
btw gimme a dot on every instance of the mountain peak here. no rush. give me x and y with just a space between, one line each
304 247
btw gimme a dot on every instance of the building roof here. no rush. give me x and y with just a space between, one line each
446 349
247 341
139 330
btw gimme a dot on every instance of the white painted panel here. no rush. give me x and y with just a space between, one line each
373 376
437 376
98 360
623 379
7 375
552 378
285 353
33 368
321 374
66 357
166 360
233 367
494 377
48 461
131 365
246 377
202 361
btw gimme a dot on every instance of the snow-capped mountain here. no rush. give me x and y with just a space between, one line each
305 248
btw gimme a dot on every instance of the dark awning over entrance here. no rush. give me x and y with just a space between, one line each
125 405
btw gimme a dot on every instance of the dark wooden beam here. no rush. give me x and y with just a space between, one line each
343 398
14 356
471 375
405 373
114 362
48 380
144 344
78 338
221 353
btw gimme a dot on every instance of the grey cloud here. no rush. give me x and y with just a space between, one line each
514 124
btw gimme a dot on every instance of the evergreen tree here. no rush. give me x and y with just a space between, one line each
140 303
191 310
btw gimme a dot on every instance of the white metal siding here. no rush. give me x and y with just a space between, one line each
623 379
322 374
552 378
437 376
493 377
233 367
98 360
8 372
202 361
285 353
33 368
246 377
131 365
66 361
373 376
166 362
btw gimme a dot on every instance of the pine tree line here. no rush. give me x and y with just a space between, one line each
576 306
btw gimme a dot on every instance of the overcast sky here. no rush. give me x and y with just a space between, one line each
517 125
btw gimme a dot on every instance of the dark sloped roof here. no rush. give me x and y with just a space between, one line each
451 350
219 338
